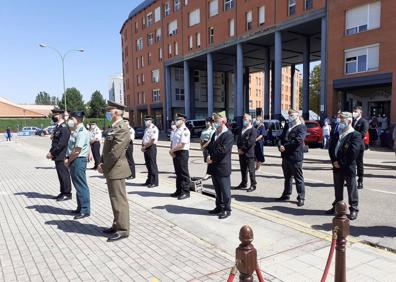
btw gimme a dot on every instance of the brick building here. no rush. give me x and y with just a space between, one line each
197 56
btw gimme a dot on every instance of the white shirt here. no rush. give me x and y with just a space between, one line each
132 133
150 133
181 136
96 134
245 129
217 135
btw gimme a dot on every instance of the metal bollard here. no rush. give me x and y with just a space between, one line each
341 224
246 255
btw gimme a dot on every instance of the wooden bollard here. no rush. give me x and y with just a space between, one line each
341 227
246 255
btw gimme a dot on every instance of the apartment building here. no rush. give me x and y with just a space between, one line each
116 89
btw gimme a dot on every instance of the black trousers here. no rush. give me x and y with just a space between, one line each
131 161
150 157
360 166
95 147
64 178
222 186
180 162
247 164
293 169
348 175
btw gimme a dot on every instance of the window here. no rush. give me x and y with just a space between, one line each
249 20
213 8
185 2
363 18
167 9
308 4
190 42
158 35
172 27
176 5
139 44
143 22
194 17
149 60
176 49
160 54
136 26
156 95
157 14
179 94
231 25
150 39
179 74
141 58
362 59
261 15
137 63
170 50
155 76
211 35
198 39
228 4
149 19
292 7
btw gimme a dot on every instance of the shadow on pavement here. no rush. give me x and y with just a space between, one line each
379 176
270 176
49 209
73 226
44 167
316 168
295 211
257 199
135 184
181 210
97 176
311 184
149 194
35 195
371 231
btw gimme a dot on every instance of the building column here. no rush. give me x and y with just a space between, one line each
210 83
278 74
272 112
266 100
235 101
239 84
187 102
226 93
168 98
246 107
323 70
306 70
292 87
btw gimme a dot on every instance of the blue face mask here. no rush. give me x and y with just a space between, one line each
341 127
245 123
216 125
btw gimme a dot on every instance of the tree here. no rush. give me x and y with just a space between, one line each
74 100
43 98
314 90
97 105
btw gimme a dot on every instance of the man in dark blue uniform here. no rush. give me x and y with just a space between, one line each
292 150
57 153
219 165
361 126
344 150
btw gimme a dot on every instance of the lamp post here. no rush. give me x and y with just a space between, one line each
62 57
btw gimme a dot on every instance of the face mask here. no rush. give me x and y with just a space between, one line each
173 126
292 118
55 119
355 115
147 123
245 123
93 126
70 123
207 124
338 120
341 127
216 125
179 122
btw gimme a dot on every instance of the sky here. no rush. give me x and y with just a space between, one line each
93 25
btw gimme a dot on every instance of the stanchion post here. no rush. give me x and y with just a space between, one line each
341 225
246 255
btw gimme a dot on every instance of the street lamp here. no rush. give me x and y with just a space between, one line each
62 57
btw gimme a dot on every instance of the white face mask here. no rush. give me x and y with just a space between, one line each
70 123
179 122
147 123
173 126
355 115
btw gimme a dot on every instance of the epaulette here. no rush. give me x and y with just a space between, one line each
63 125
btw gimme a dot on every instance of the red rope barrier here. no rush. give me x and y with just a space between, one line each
233 272
331 253
259 275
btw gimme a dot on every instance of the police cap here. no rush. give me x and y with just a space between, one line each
181 116
115 106
79 115
148 118
57 111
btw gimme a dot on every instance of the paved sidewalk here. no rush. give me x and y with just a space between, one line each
170 240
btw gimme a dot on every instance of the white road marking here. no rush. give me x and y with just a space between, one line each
381 191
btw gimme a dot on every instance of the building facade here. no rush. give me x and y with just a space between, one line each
116 89
197 56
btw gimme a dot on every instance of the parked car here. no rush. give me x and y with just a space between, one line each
28 131
40 132
314 135
49 130
139 132
196 126
273 131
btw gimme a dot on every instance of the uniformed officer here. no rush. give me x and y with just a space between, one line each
77 156
219 161
292 150
361 125
114 166
344 150
57 153
180 145
96 136
149 148
129 151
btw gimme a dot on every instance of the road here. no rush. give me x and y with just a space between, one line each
376 222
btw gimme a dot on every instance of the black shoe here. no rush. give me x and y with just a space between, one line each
224 214
251 188
174 195
215 211
353 215
283 198
109 231
240 187
300 203
117 236
64 198
75 212
360 185
183 196
57 197
331 211
152 186
145 183
81 216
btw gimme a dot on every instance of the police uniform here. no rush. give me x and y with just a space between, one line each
116 170
58 149
96 136
361 126
246 143
150 154
129 151
180 160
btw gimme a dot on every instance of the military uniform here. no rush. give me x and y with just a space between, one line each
96 136
116 170
180 161
150 154
58 149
